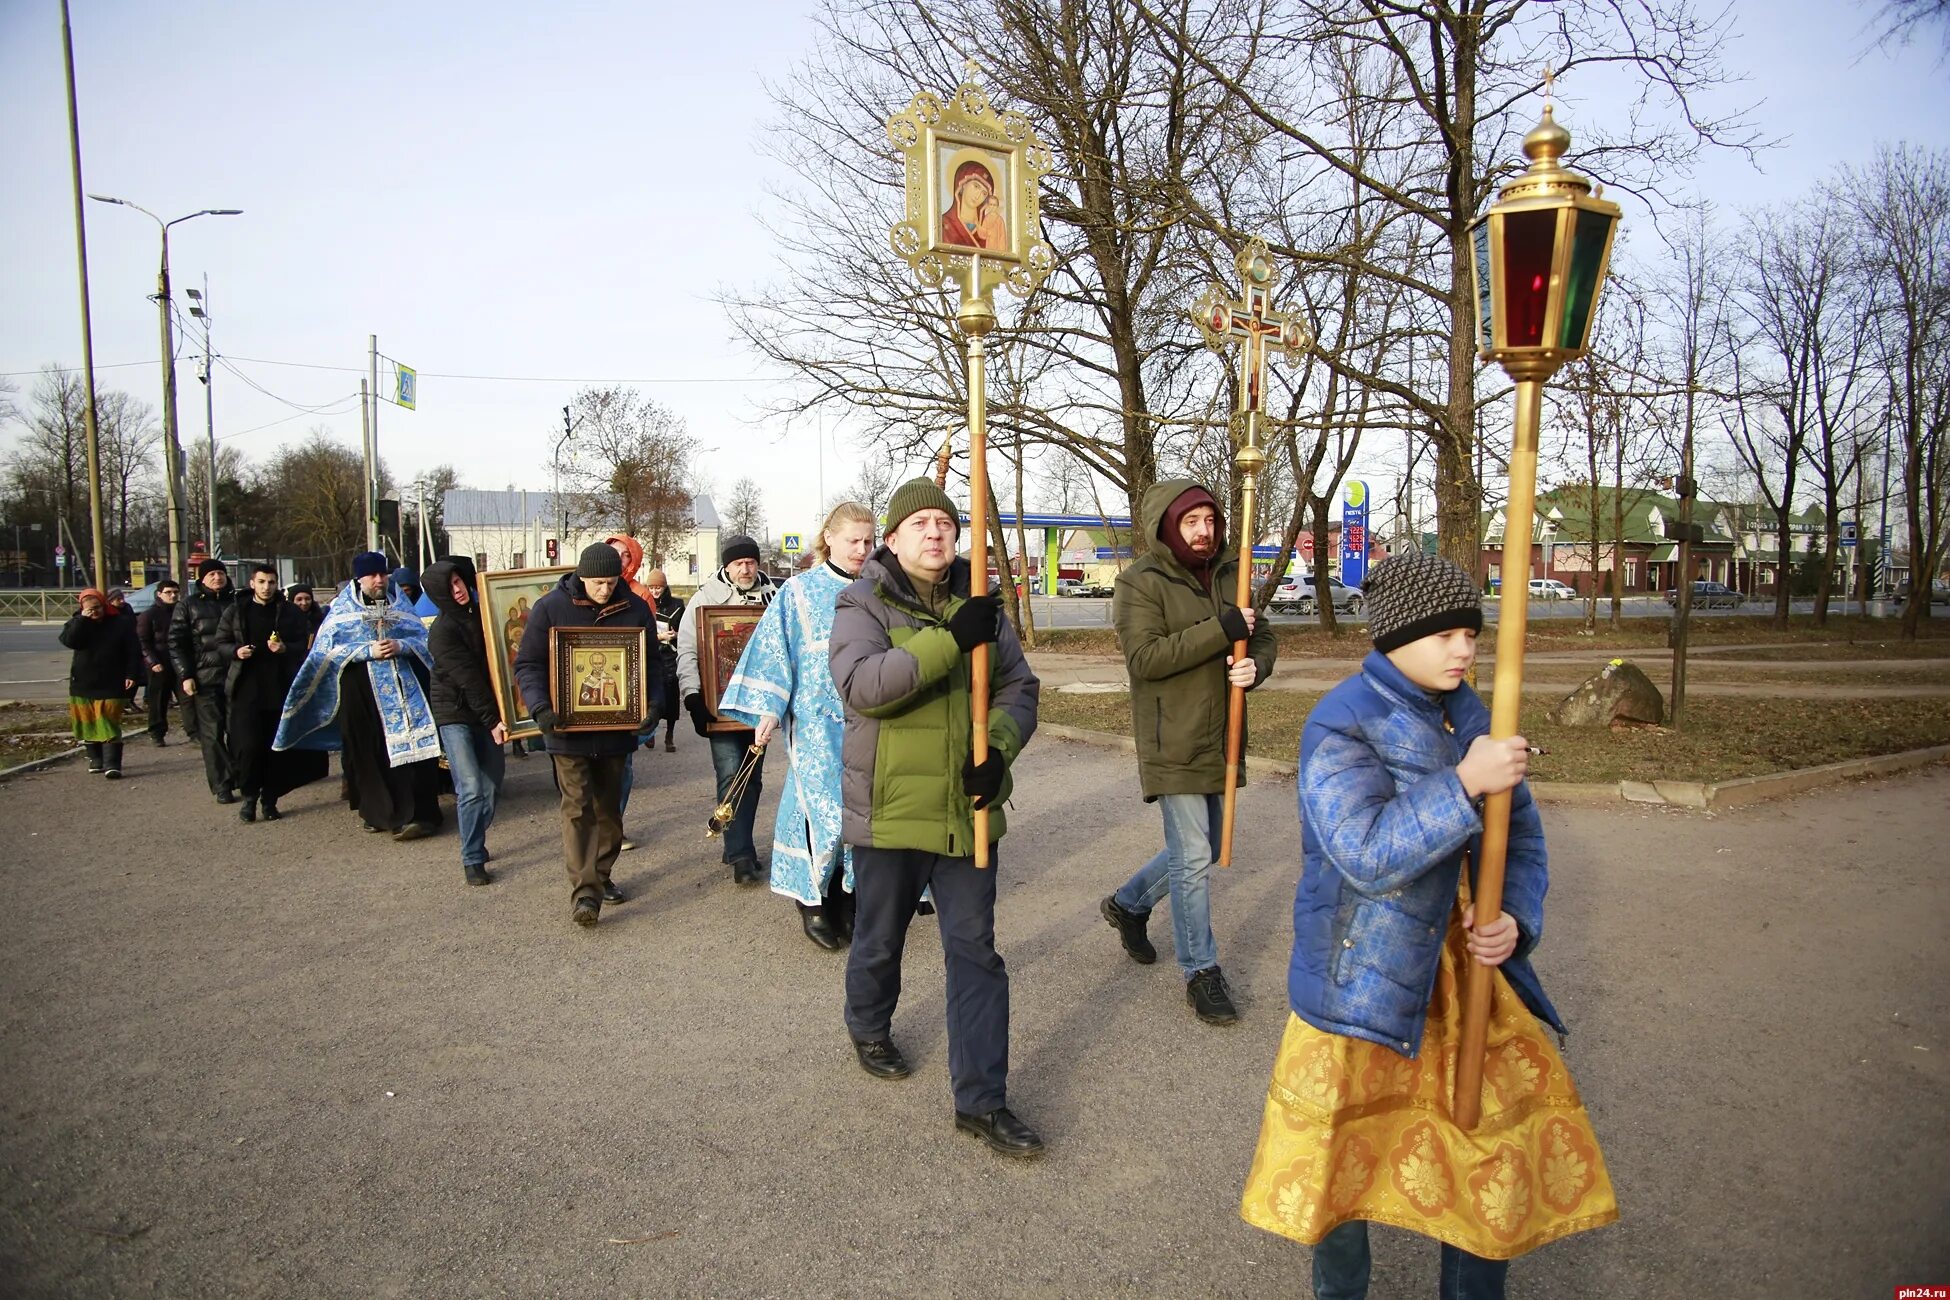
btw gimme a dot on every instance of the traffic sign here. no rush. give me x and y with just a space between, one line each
1849 537
60 551
792 544
408 388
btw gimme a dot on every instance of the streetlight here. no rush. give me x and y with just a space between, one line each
172 449
1538 258
200 308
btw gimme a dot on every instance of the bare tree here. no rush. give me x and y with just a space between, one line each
745 511
1902 203
628 468
1466 67
314 491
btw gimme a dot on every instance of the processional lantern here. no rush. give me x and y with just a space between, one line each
973 219
1539 258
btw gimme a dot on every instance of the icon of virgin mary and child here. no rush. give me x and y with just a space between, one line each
974 215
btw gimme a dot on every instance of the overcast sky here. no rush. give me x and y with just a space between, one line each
545 192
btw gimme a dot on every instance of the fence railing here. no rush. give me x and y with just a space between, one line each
36 604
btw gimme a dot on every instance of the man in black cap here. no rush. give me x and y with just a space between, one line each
738 581
588 764
152 631
201 669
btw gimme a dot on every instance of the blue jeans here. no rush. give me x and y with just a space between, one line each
1341 1269
1183 869
727 755
477 765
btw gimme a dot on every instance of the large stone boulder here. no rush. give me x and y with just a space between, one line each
1620 693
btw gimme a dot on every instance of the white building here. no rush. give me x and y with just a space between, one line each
514 529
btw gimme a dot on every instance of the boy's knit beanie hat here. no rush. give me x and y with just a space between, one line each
599 560
920 494
1412 596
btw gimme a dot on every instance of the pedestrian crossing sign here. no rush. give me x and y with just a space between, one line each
408 388
792 544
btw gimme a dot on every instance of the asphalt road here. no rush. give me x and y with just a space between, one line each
293 1060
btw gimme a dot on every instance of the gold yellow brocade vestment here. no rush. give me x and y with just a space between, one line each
1354 1131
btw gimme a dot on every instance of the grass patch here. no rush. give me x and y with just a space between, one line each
15 750
23 718
1857 638
1724 737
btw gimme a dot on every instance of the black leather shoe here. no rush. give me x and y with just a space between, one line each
1002 1131
414 831
746 871
1207 993
226 796
882 1059
248 812
818 928
586 911
1130 929
269 811
611 894
477 875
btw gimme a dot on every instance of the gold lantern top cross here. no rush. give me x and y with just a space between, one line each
1250 322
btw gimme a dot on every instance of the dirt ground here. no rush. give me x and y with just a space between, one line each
293 1060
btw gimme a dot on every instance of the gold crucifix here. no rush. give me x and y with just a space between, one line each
1250 321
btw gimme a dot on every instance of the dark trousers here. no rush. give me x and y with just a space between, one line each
887 885
728 753
1341 1269
252 728
592 819
160 692
213 735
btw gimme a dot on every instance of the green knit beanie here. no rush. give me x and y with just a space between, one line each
919 494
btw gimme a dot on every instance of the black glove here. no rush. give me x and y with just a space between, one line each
545 719
983 781
1234 624
700 716
978 620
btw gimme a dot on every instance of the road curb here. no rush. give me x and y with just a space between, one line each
1698 796
39 763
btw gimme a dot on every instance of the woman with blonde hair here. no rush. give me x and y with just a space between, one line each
783 678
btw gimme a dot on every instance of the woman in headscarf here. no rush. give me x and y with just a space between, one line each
784 678
106 665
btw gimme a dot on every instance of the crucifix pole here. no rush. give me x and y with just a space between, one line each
1250 322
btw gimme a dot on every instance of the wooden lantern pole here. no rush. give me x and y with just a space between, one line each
977 318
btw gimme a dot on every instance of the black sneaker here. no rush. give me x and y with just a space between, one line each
112 774
1210 998
881 1059
1130 928
230 796
477 874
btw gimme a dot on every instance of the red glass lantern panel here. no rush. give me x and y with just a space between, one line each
1529 246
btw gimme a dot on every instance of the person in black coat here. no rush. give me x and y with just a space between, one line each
201 670
104 669
263 639
301 596
670 612
461 695
588 764
159 677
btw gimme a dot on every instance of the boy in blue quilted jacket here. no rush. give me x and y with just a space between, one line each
1394 765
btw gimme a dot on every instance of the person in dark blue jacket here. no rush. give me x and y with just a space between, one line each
1395 764
588 764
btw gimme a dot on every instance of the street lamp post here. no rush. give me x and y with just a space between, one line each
1538 258
200 308
172 447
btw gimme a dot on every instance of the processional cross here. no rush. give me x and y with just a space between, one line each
1250 322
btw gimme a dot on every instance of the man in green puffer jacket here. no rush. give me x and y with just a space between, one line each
1177 623
909 786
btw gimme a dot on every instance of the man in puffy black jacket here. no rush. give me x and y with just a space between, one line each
461 695
263 637
159 675
201 669
588 764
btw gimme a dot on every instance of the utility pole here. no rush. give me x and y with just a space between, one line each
372 442
200 309
372 502
98 534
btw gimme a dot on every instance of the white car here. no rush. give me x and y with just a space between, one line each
1296 596
1551 589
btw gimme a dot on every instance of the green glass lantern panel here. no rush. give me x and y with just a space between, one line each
1485 300
1588 240
1529 247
